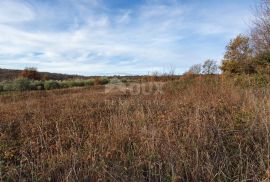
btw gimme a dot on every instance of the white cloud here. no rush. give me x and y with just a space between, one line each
150 37
12 11
124 18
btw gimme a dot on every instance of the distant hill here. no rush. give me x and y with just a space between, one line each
9 74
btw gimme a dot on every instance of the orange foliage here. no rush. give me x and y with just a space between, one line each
30 73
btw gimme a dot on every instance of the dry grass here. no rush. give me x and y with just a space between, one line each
204 131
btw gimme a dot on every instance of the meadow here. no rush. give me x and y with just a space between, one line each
209 121
197 129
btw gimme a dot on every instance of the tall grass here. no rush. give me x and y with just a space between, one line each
207 130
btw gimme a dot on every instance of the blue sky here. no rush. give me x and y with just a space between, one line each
106 37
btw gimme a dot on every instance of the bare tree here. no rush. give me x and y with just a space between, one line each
209 67
260 34
195 69
172 71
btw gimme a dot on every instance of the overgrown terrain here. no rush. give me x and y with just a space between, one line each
199 126
197 129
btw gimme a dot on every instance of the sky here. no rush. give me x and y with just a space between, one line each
125 37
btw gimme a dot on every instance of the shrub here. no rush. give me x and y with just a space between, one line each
32 86
64 84
74 83
37 85
49 85
262 62
260 80
105 81
124 80
242 81
89 82
21 84
101 81
256 80
8 86
115 81
1 88
79 83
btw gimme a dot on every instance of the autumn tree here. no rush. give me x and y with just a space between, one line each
238 56
249 55
30 73
238 49
209 67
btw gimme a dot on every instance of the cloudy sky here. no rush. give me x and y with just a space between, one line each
103 37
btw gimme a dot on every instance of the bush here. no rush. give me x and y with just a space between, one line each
73 83
262 62
260 80
21 84
64 84
104 81
8 86
245 81
101 81
1 88
37 85
49 85
115 81
76 83
79 83
89 82
242 81
124 80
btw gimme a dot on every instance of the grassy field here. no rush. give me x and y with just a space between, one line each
205 130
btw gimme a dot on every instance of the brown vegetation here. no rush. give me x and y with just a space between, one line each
204 130
31 74
199 127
